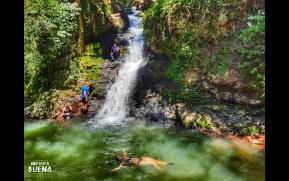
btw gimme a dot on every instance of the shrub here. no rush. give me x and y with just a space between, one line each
49 38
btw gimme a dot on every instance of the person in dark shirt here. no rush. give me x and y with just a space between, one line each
115 51
67 112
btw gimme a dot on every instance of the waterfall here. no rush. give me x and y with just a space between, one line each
115 108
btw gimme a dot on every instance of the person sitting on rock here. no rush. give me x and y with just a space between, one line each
115 51
67 112
134 161
84 98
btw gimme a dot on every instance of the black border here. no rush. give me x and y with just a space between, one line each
12 122
12 90
276 90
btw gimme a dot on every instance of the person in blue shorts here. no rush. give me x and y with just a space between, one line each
84 97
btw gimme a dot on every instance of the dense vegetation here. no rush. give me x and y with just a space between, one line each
56 32
214 35
50 30
90 62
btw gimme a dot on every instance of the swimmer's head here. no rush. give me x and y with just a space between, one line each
119 158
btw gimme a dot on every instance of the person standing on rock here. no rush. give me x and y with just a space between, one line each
115 51
84 97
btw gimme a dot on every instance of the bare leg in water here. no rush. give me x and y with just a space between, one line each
150 161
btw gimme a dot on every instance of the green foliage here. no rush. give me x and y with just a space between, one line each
49 30
55 32
204 34
250 130
252 51
95 18
94 49
185 93
221 67
203 123
171 95
124 2
183 40
89 67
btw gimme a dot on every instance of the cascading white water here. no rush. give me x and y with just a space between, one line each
115 108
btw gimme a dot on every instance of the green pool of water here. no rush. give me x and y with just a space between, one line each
78 153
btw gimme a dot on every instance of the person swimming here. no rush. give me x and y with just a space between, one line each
134 161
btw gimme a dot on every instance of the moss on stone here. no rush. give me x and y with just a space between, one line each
205 121
250 130
90 67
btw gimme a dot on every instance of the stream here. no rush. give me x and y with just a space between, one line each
85 149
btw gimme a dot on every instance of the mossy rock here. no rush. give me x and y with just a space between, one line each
189 118
205 121
250 130
93 49
90 67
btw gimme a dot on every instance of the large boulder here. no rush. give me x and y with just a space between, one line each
192 76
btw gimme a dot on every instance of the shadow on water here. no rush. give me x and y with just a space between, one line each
78 153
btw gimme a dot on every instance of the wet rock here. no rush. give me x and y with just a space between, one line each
179 106
220 81
109 71
215 114
107 64
206 85
239 86
231 78
99 95
192 76
225 96
150 76
229 94
116 20
243 99
155 109
189 118
215 117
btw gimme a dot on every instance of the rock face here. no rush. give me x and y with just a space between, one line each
150 76
223 112
155 109
50 104
228 88
142 4
41 108
220 107
215 117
